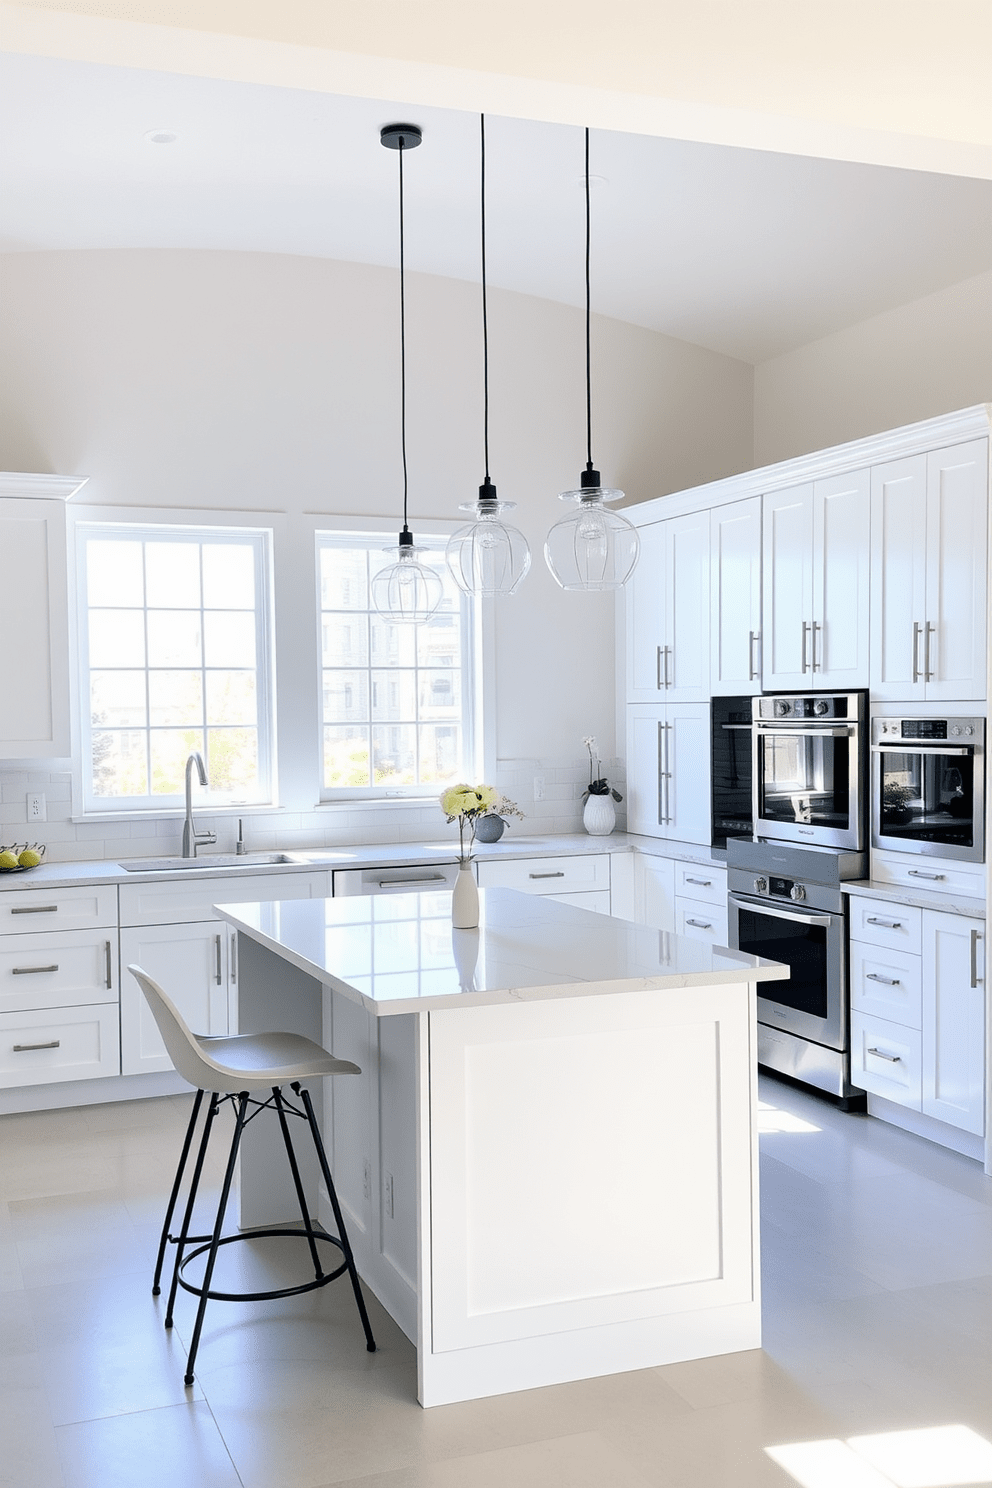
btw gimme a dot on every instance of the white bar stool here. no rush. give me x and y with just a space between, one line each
231 1069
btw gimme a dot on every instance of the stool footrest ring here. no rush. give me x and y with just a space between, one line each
269 1296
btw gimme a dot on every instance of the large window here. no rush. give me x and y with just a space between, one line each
397 714
174 651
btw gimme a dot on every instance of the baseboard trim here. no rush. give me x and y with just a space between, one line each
59 1095
926 1126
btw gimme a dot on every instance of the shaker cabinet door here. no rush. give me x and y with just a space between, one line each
787 589
841 558
190 963
898 578
646 601
957 572
735 598
954 1020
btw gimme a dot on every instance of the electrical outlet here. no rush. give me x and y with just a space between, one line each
367 1179
538 787
389 1195
37 809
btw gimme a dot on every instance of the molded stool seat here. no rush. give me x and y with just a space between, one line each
231 1069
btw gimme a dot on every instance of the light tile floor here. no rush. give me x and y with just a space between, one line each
877 1264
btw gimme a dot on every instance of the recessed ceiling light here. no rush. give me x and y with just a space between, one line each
594 181
161 136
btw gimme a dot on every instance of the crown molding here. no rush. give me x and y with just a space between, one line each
31 487
893 444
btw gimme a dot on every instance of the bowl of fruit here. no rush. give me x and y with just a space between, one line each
20 856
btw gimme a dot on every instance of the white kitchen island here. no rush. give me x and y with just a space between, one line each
548 1167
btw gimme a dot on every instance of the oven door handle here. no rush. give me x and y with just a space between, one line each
756 906
917 746
824 731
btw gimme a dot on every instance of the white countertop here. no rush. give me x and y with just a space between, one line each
960 904
399 954
55 875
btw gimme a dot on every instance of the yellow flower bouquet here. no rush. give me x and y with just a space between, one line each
465 804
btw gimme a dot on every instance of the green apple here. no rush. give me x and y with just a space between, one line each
7 859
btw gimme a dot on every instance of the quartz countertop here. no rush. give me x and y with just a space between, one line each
399 954
54 875
960 904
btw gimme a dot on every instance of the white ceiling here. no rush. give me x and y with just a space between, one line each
740 251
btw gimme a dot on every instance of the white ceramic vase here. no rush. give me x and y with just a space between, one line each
599 818
465 899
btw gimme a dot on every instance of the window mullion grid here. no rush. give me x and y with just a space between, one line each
203 663
148 673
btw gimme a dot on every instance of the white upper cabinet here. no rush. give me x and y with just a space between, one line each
668 771
815 584
929 575
735 598
34 661
668 613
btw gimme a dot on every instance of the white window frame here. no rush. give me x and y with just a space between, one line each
432 536
140 525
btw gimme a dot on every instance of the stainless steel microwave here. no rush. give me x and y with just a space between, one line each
809 774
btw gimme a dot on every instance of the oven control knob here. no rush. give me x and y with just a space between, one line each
820 707
955 729
797 892
761 886
968 729
782 708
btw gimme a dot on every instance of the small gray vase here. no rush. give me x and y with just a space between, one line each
489 828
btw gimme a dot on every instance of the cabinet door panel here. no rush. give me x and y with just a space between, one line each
841 511
689 773
645 599
954 1020
190 963
735 598
787 587
654 891
686 666
957 494
34 673
644 756
898 577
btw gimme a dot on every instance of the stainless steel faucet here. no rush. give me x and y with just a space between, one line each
192 839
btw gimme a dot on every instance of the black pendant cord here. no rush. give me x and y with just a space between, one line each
589 465
403 345
485 306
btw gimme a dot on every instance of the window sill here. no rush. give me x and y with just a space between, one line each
176 813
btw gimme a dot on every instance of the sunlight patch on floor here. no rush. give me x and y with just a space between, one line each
771 1119
928 1457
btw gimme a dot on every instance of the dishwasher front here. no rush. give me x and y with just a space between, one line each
410 879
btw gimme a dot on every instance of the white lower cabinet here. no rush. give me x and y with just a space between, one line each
918 1010
191 963
44 1045
701 920
954 1020
583 879
654 891
596 900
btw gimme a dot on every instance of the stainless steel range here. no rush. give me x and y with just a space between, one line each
786 903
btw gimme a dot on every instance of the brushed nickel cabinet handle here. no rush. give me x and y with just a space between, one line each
704 883
557 874
889 1058
916 650
805 664
659 684
874 976
752 636
885 924
928 675
934 877
31 970
407 883
817 665
218 974
700 924
110 965
36 909
23 1048
233 970
975 937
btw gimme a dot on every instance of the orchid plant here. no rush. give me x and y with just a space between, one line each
598 784
465 804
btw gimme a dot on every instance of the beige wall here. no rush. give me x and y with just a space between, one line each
262 382
923 359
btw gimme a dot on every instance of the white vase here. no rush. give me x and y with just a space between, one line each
599 818
465 899
465 948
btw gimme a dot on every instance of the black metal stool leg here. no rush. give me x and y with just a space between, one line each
318 1270
190 1201
175 1193
215 1240
338 1217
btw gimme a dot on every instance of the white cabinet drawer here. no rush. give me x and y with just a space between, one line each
547 875
694 882
879 922
886 1059
934 874
887 984
597 900
38 1048
69 969
701 921
193 898
28 911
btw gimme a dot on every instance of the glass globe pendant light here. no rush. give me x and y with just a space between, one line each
405 591
487 556
591 548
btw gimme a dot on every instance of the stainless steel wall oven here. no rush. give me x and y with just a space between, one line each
928 786
808 769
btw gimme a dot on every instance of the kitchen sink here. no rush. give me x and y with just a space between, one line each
211 860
